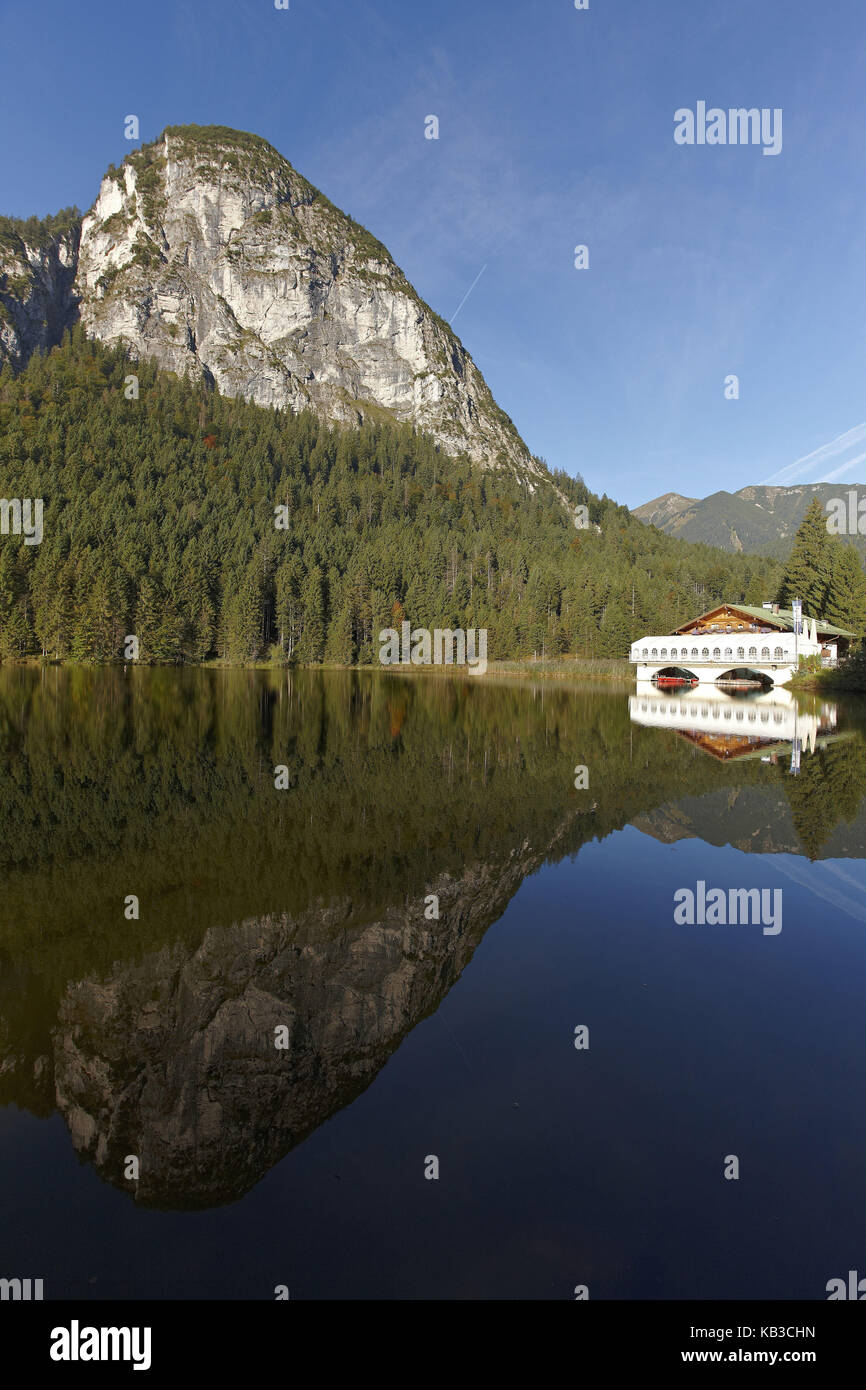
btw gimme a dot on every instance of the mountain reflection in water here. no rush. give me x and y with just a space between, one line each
309 909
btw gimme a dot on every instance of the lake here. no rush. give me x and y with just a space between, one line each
354 983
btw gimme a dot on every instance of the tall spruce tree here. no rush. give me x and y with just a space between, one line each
810 566
846 597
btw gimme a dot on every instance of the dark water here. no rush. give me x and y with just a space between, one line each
303 909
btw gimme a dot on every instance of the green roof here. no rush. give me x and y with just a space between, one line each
784 622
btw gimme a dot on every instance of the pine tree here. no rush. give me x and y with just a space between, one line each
288 604
312 643
244 608
846 598
810 566
615 631
340 646
13 623
158 624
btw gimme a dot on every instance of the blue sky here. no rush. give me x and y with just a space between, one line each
556 129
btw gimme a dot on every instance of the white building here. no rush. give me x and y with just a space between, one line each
735 643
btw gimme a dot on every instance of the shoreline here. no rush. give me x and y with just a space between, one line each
616 672
562 668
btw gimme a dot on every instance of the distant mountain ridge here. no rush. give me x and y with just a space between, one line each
758 520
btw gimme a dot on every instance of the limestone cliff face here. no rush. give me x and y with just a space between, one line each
37 296
208 252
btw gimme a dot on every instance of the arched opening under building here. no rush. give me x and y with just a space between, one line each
674 676
744 678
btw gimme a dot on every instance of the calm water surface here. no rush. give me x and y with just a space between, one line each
309 910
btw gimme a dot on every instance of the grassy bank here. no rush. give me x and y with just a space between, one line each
566 668
849 675
834 682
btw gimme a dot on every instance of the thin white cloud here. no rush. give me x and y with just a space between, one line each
813 463
846 468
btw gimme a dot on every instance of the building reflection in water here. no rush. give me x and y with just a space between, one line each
766 724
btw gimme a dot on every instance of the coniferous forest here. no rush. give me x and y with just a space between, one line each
160 521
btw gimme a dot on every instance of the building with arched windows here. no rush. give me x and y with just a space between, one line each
736 644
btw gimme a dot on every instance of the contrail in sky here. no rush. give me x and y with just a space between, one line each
814 462
467 294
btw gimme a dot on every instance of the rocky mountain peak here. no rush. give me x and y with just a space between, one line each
207 251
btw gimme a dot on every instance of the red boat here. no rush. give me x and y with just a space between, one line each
668 681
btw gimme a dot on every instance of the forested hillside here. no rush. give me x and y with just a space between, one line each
159 520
